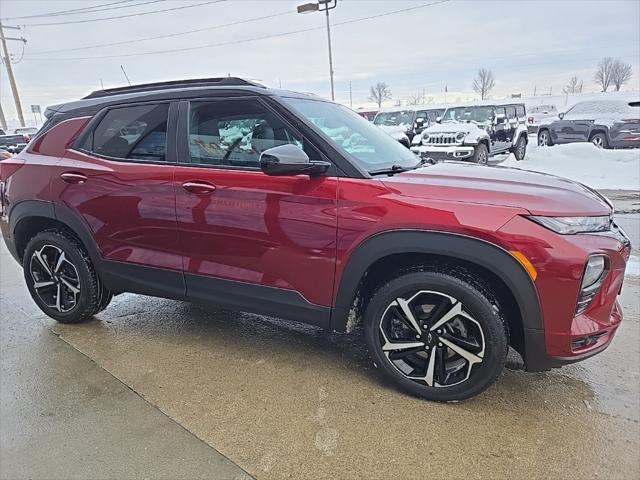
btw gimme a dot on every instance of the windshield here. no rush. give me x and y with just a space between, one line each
369 146
394 119
469 114
429 115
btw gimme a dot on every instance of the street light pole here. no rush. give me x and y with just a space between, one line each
333 96
323 6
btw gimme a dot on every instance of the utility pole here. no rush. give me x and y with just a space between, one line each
350 96
3 121
7 63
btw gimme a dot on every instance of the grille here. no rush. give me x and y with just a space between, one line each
442 139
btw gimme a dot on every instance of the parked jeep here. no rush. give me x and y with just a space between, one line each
407 121
475 132
224 192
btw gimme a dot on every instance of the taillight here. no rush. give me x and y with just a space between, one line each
530 119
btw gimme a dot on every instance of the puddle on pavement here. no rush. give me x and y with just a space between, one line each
285 400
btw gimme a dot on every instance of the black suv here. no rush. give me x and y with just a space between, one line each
604 123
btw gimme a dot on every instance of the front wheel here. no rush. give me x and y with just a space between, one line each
439 335
544 138
481 154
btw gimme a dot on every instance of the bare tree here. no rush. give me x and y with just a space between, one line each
379 92
483 83
620 73
574 86
417 99
604 73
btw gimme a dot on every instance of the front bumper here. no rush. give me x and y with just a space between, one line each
559 261
453 152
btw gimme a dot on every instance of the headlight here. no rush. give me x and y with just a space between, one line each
571 225
460 136
425 137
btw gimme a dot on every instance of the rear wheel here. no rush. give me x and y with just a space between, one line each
600 140
481 154
520 148
61 278
437 334
544 138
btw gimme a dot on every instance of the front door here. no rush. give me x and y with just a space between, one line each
250 240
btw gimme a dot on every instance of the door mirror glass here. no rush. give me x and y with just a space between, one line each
290 160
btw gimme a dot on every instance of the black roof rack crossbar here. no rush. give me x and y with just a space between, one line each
194 82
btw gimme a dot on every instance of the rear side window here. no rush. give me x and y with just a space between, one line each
511 112
520 111
132 133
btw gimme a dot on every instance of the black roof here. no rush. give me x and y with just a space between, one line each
193 82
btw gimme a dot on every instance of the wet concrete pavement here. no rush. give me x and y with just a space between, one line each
283 400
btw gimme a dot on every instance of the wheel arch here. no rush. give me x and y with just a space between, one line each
29 217
406 247
598 129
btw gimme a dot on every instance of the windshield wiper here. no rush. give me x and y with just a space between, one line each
392 170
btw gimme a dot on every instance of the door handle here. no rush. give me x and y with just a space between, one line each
198 187
71 177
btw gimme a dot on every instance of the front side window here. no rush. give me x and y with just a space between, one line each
368 146
236 132
133 133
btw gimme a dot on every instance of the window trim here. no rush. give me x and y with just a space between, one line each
171 151
184 152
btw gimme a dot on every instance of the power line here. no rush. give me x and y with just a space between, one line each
64 12
123 16
253 39
169 35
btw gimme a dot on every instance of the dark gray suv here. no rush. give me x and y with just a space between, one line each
605 123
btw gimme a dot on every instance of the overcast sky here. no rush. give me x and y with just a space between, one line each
528 45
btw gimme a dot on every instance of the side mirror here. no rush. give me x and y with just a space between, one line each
438 119
290 160
500 118
561 115
419 122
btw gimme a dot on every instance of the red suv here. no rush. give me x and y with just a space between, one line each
224 192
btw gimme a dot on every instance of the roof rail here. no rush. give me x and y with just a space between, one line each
193 82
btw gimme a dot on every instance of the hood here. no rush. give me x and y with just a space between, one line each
397 132
539 193
454 127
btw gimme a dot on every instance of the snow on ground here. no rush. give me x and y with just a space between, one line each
633 267
584 163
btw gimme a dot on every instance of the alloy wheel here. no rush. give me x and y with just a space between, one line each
55 278
431 339
483 157
598 141
543 139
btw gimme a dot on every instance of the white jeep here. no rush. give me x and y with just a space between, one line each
475 132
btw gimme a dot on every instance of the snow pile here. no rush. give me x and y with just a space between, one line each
584 163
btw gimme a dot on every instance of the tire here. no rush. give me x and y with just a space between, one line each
479 315
519 150
544 138
599 140
74 272
481 154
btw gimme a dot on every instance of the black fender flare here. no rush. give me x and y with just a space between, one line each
480 252
42 208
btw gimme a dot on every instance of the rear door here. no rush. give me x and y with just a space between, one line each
119 180
250 240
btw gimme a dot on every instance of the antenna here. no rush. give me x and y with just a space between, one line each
125 75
